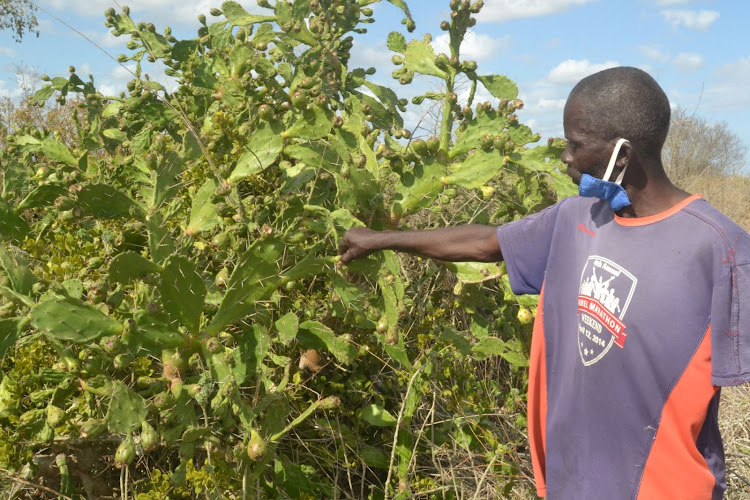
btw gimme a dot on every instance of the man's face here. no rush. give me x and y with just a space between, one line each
586 153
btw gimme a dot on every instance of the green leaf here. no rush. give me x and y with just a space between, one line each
480 326
183 292
500 86
319 154
382 117
396 42
287 12
57 151
564 186
253 346
255 277
160 242
157 44
474 272
420 187
476 170
74 288
126 410
43 94
112 109
314 334
190 147
115 134
15 179
287 326
9 331
309 124
237 16
41 196
103 201
167 183
18 271
12 226
488 124
153 334
374 457
388 98
515 358
539 159
378 416
128 266
261 152
490 346
203 216
420 58
70 319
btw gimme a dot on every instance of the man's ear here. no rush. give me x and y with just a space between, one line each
624 155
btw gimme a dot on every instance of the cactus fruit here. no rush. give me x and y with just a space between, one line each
256 446
125 452
149 437
55 416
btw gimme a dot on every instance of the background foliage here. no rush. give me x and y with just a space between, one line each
172 309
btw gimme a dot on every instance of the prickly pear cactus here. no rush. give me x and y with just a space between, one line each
164 272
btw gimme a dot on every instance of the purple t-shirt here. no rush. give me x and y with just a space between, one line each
639 322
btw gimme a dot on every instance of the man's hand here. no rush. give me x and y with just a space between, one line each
358 242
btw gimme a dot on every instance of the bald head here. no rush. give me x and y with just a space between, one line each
624 102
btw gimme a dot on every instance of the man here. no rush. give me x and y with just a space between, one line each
640 317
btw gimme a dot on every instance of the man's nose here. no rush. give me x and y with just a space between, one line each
565 157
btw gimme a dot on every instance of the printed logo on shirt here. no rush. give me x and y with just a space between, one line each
603 299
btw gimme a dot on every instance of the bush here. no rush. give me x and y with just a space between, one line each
174 322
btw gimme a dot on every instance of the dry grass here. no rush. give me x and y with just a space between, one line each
735 429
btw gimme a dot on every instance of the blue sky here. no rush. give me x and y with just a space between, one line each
699 51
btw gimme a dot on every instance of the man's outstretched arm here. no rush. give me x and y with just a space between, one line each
472 242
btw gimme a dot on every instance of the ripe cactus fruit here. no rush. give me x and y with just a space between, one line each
55 416
330 403
213 345
112 345
125 452
256 446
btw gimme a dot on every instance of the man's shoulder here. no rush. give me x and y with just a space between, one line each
724 230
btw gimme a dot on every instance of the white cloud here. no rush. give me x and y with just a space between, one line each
686 61
545 105
364 55
505 10
654 53
477 47
727 91
692 19
8 52
572 71
123 72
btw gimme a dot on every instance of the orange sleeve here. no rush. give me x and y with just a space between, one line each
537 399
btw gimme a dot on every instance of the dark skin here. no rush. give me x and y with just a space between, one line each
648 187
646 183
